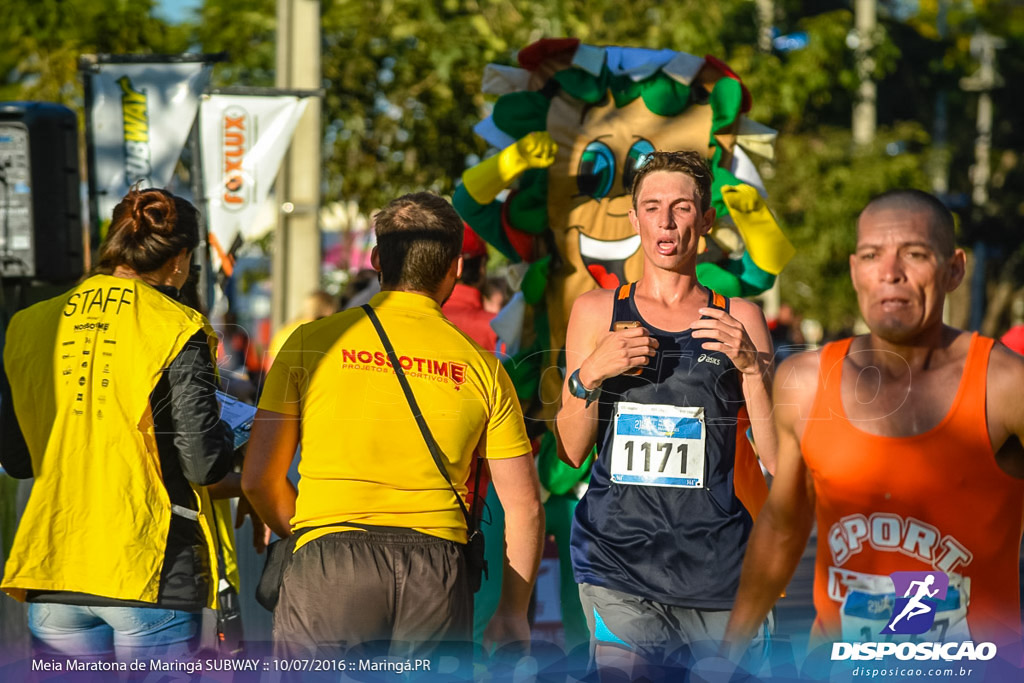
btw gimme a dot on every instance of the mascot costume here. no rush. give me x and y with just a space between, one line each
572 125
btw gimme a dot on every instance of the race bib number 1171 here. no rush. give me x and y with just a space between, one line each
658 445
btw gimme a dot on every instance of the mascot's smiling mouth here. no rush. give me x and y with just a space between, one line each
605 260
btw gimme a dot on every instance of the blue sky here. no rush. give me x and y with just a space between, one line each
176 10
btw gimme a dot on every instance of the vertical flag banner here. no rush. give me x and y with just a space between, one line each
140 115
244 139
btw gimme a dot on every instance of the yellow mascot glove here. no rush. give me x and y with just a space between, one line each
484 181
767 245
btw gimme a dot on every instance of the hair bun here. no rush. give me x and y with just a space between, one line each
153 212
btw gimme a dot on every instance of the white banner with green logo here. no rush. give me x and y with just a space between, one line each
140 118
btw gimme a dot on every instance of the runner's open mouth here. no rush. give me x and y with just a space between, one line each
605 260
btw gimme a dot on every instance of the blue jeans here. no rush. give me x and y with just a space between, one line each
105 633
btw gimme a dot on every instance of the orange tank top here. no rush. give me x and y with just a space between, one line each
936 501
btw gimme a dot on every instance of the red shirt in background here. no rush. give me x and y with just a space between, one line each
465 308
1014 339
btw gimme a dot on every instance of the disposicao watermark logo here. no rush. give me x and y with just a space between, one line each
914 614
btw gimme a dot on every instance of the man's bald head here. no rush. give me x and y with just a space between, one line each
940 219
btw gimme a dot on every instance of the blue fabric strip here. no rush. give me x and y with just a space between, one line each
604 634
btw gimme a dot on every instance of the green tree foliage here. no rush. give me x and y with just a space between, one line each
247 31
41 40
403 76
792 91
947 30
403 91
817 188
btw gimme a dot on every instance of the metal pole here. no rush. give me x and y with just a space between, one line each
983 142
864 114
279 260
986 79
938 163
296 259
982 147
765 21
983 46
86 66
207 281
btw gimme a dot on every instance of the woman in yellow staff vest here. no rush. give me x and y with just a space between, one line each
112 385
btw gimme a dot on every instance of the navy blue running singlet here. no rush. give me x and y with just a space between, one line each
661 519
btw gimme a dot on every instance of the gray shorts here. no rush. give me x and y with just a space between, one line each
659 633
405 591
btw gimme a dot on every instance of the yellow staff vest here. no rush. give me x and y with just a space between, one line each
82 367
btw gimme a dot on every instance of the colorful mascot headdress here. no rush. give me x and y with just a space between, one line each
573 124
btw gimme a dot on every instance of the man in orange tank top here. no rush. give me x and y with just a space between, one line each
904 445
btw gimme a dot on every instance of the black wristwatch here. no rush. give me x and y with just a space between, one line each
577 389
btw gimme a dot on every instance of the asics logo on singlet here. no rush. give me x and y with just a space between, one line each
922 592
705 358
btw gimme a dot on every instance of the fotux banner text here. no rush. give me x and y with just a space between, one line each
244 139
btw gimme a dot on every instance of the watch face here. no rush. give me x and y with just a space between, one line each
575 386
577 389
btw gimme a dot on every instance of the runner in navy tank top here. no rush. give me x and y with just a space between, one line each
661 375
689 552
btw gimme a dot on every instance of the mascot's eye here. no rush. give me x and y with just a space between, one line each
638 155
597 170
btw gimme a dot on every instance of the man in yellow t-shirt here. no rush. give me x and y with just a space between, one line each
383 559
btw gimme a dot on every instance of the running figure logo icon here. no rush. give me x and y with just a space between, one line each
914 613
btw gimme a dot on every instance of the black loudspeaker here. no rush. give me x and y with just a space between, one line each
41 233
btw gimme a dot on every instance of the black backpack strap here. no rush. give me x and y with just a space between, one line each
435 450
